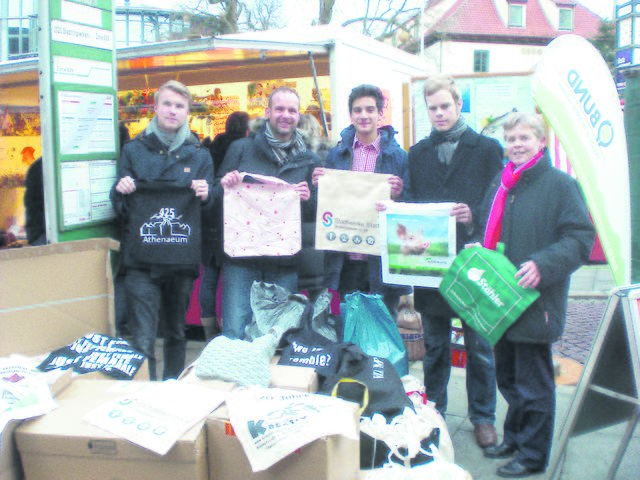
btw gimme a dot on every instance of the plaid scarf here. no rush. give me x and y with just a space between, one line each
285 149
510 177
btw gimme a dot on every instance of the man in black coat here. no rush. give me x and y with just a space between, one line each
162 167
277 150
454 164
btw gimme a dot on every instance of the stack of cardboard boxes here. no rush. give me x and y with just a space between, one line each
52 295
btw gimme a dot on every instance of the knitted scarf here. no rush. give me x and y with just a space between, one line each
510 177
172 141
284 149
446 142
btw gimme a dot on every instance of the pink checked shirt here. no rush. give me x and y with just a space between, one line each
364 160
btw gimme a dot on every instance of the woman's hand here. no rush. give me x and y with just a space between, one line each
529 275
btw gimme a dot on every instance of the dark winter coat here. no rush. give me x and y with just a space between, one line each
219 146
392 161
545 220
254 155
146 158
476 161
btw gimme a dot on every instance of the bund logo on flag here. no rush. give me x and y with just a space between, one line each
165 227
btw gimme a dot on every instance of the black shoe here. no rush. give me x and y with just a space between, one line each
504 450
515 469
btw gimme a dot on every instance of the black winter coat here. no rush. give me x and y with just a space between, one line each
545 220
476 161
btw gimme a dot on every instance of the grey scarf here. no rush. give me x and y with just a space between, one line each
446 142
283 150
172 141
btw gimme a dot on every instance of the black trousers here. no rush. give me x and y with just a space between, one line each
525 376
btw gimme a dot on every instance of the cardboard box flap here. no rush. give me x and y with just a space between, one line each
54 294
64 432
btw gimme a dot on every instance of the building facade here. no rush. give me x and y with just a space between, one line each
134 25
496 36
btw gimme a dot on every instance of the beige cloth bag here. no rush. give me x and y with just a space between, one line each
347 219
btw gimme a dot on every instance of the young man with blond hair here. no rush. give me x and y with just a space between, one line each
165 152
454 164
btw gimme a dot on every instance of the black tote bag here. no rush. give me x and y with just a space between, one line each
164 225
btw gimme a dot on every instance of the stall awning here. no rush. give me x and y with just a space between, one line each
196 62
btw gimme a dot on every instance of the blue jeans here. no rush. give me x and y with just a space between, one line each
481 371
237 278
154 299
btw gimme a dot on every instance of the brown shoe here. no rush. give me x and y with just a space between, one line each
486 435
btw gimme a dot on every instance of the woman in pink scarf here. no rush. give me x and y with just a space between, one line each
538 213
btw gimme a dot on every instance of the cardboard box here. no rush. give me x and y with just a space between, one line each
10 466
61 445
328 458
54 294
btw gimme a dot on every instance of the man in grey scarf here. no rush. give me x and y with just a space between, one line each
165 154
278 150
454 164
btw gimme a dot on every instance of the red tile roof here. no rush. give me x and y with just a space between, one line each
480 18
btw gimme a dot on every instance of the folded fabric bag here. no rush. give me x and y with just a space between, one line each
482 288
238 361
262 218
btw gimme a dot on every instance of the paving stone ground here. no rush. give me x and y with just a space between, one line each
583 318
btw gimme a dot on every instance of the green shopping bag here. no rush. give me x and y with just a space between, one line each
481 287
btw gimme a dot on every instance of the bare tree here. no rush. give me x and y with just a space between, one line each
263 14
382 18
213 17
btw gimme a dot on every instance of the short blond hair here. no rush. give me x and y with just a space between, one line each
441 82
531 120
177 87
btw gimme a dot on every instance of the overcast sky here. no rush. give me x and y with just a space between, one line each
305 11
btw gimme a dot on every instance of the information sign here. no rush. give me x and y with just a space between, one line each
78 90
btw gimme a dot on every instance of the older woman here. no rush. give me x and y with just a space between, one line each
539 214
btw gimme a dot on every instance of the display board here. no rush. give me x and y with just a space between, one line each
78 90
609 389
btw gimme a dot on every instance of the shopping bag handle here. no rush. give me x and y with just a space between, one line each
365 397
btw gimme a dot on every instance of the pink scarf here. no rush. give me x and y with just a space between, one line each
510 177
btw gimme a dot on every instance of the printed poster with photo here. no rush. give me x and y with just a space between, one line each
419 243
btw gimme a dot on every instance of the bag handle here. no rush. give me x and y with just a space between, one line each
265 179
365 397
